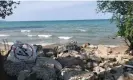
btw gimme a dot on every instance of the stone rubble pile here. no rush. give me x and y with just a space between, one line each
73 62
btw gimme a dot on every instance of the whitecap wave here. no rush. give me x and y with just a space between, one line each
82 30
25 31
4 35
46 36
64 37
31 35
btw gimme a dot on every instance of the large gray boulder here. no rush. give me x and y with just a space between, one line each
47 68
45 72
23 75
13 68
26 75
45 60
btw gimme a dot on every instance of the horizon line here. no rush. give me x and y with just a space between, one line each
56 20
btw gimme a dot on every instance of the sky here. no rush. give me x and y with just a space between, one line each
56 10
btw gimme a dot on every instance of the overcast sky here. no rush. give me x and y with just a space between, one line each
56 10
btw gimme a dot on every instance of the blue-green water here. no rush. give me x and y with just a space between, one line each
92 31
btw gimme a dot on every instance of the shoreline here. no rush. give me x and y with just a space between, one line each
50 44
117 48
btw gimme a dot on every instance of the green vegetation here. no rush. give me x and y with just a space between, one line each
123 16
6 7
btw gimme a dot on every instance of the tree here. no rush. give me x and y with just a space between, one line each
122 15
6 7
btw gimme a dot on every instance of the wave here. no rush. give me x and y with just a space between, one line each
64 37
20 27
4 35
25 30
46 36
31 35
82 30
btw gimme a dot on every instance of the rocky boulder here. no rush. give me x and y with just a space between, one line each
45 60
103 49
71 62
13 68
47 68
26 75
72 45
126 76
75 74
86 45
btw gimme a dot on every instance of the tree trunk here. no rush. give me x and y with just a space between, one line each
131 43
127 42
131 46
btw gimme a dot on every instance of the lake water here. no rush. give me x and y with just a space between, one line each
47 32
